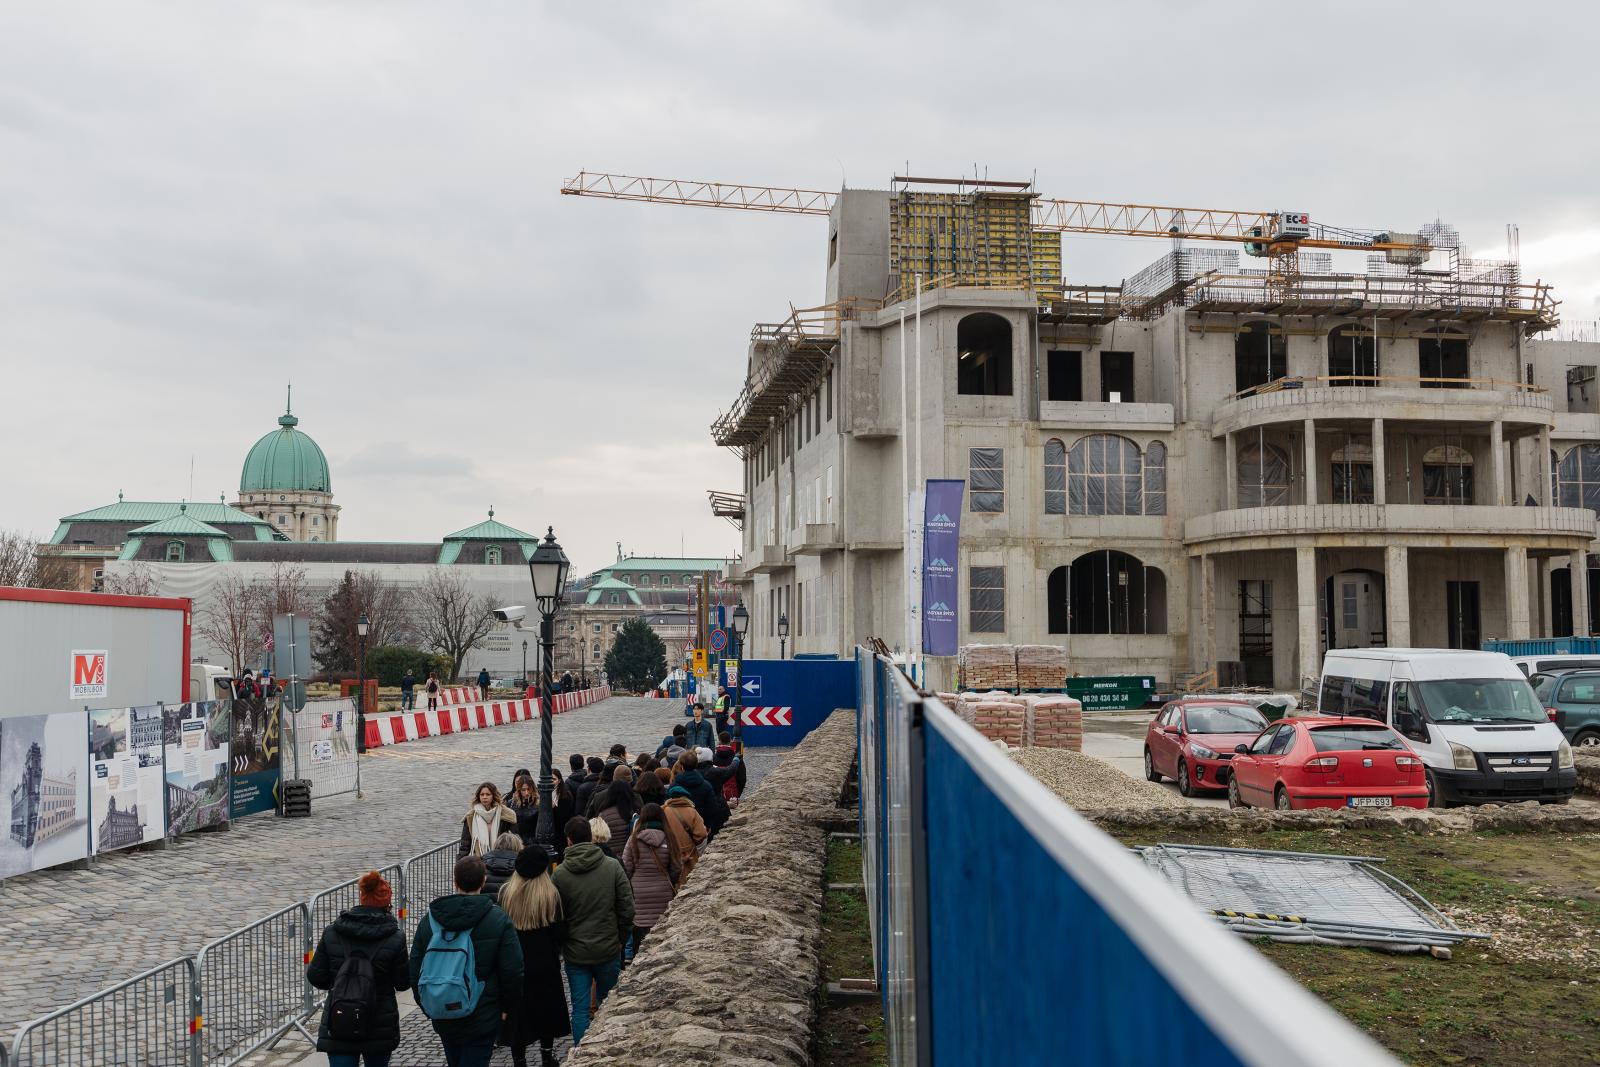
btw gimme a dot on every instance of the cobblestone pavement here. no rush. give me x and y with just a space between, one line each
65 934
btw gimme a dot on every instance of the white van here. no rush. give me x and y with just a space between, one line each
1563 661
1471 716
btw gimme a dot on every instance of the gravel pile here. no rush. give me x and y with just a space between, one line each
1085 782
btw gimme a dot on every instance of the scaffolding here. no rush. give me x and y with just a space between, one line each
787 359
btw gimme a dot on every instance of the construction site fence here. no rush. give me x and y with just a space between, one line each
239 994
1074 936
320 746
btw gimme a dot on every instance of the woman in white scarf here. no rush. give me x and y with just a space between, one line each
484 820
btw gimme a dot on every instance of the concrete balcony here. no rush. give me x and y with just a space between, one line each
1393 400
768 559
1372 525
1083 414
817 538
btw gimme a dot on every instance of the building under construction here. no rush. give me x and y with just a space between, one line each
1246 454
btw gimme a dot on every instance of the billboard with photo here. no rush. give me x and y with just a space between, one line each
45 791
125 777
256 751
195 737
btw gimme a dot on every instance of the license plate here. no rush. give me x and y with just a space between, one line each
1372 802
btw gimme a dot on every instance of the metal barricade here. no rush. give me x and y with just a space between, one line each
427 877
152 1019
253 987
321 746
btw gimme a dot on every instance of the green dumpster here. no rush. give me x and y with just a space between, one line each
1112 693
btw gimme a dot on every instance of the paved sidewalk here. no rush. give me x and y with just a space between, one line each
65 934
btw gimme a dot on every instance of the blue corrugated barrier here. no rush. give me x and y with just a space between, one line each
1008 929
1546 646
804 691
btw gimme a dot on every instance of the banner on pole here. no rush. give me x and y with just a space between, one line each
941 545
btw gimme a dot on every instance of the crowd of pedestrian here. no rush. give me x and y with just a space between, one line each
487 963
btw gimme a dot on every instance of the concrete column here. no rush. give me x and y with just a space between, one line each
1546 621
1380 473
1517 593
1311 462
1579 562
1543 467
1231 444
1397 595
1306 595
1208 612
1497 447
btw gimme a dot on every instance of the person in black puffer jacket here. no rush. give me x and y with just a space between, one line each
707 801
370 929
502 863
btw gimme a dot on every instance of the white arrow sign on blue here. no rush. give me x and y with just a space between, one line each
751 685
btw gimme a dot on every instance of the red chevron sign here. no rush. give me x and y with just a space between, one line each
769 716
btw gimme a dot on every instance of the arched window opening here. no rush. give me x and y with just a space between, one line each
1055 477
983 355
175 551
1579 478
491 555
1352 474
1263 476
1104 477
1352 356
1107 592
1443 355
1447 475
1258 355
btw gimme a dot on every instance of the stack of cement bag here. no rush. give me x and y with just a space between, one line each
989 666
1041 667
1046 721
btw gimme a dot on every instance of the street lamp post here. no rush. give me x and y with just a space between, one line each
741 625
783 636
548 571
361 684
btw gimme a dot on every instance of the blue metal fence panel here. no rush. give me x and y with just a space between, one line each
1546 646
812 688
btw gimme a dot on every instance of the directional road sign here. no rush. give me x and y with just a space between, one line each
750 686
719 640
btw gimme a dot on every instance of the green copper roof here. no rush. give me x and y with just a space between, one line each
180 525
490 530
665 563
599 590
146 511
285 459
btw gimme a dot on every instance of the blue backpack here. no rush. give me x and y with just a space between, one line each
448 986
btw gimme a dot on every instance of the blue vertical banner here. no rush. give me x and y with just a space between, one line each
941 544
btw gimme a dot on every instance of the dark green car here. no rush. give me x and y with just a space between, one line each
1573 697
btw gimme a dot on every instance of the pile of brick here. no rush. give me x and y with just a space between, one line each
1002 720
989 666
1041 667
1056 722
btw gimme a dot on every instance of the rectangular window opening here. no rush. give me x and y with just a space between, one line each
1064 375
1116 377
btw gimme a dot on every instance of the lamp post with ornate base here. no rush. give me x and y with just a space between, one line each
783 635
361 684
741 626
548 571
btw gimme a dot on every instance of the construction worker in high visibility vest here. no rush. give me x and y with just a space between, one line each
722 709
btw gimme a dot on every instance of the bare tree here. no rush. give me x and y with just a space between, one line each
24 562
386 605
285 592
450 619
137 579
230 619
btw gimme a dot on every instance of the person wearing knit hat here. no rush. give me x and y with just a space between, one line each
368 928
532 904
686 827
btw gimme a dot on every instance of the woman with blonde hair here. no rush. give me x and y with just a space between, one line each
533 905
485 821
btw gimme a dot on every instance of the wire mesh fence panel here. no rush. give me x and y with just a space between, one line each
252 985
148 1020
322 742
427 877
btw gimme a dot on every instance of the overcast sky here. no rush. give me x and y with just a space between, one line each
201 201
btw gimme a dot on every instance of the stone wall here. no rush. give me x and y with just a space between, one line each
730 975
1588 771
1526 816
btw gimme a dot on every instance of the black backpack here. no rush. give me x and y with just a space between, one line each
352 1000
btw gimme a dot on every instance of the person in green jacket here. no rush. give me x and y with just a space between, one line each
469 1042
597 900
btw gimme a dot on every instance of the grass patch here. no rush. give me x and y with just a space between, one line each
1529 995
849 1032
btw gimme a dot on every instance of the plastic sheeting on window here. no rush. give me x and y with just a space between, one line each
1055 477
986 479
1104 477
1580 478
1263 476
1446 484
986 595
1352 483
1155 479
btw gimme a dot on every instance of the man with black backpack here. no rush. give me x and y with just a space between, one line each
466 967
361 961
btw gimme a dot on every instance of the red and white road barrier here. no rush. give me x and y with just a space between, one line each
399 727
769 716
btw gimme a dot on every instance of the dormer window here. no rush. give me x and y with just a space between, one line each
175 551
491 556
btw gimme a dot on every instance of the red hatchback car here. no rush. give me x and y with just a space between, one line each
1327 762
1192 740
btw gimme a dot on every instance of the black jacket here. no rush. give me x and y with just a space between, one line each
718 775
498 954
374 932
502 864
707 800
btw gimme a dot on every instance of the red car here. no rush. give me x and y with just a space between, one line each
1327 762
1192 740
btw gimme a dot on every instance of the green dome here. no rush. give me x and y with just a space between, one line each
285 459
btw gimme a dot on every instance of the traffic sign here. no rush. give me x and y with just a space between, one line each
751 685
730 669
719 640
700 661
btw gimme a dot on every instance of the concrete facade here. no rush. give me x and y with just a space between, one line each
1273 518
